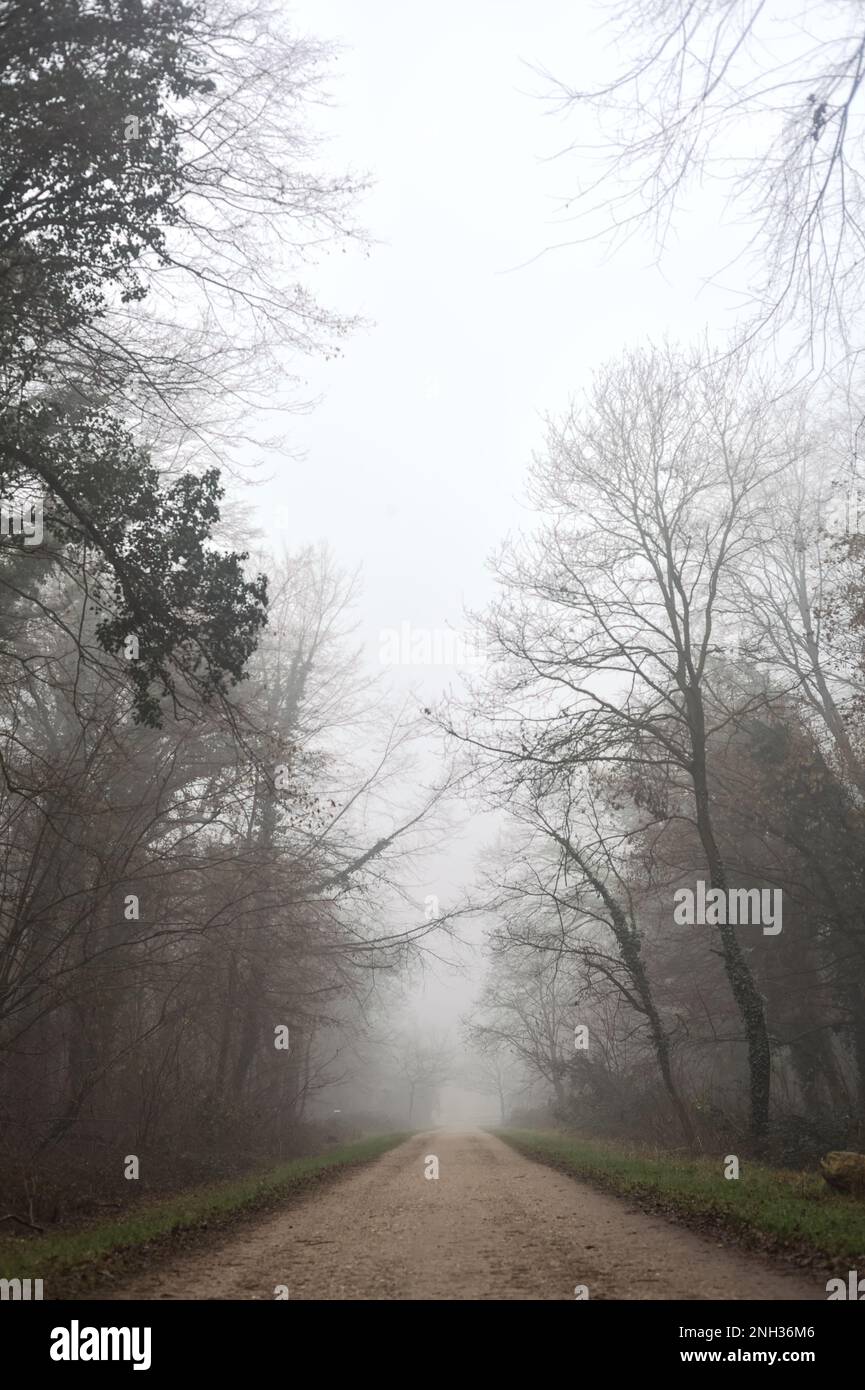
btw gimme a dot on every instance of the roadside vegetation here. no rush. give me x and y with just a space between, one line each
787 1213
73 1260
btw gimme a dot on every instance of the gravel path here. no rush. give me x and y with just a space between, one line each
494 1225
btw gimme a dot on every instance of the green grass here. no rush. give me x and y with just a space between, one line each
65 1259
767 1207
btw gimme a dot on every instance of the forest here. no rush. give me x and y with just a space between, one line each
200 874
217 810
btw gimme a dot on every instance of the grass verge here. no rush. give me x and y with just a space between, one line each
786 1213
74 1261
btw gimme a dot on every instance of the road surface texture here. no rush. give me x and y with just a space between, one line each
494 1225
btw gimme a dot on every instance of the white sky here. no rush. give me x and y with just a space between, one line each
415 459
416 456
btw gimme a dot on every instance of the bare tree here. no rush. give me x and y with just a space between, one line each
423 1059
609 618
767 104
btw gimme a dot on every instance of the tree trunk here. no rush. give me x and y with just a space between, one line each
748 998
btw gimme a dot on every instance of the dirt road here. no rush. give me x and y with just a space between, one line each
494 1225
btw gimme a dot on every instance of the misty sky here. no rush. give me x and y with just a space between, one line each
414 461
416 455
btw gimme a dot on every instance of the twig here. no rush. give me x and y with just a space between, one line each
32 1224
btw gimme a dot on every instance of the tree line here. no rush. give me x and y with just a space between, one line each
199 864
674 702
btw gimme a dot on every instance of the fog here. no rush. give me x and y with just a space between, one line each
438 637
480 318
